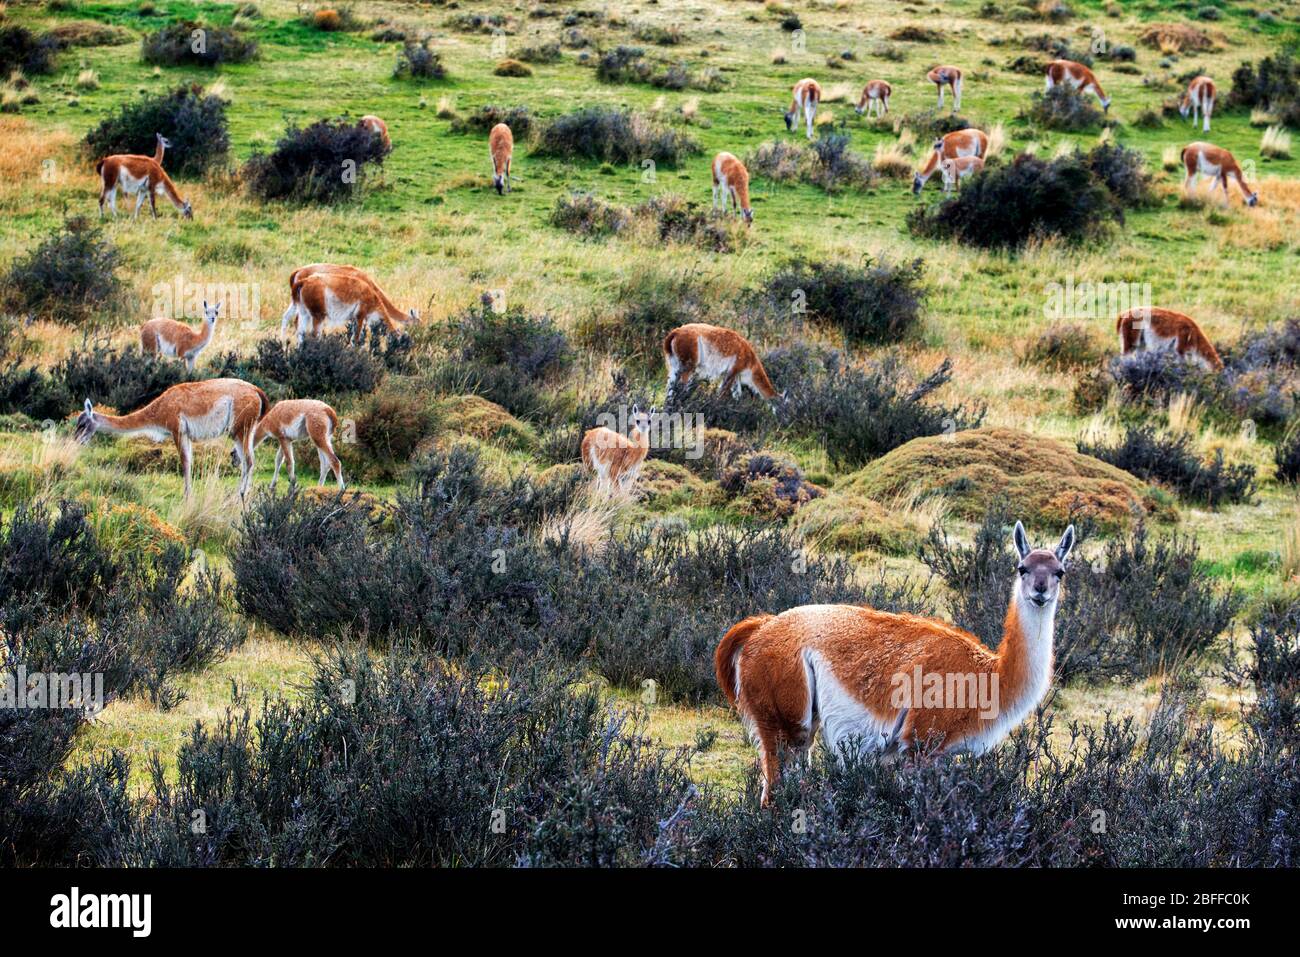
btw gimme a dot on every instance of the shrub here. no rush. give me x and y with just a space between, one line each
1063 108
779 160
27 390
874 303
518 118
193 44
1274 85
933 123
194 123
322 163
914 34
767 486
1064 346
1286 453
860 413
324 367
417 61
22 50
643 308
542 53
125 379
1274 671
614 136
70 277
1171 461
390 427
588 215
1122 171
836 167
1032 198
674 219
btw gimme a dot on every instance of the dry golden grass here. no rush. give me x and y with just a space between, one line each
1184 414
1171 159
212 512
1276 142
997 140
1260 117
1291 547
891 159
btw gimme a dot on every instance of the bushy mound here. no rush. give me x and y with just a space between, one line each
194 122
847 521
195 44
70 277
322 163
24 51
1045 478
482 419
764 485
614 136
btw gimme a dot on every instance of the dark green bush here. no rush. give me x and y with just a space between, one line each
322 163
614 136
125 379
1063 108
1171 460
416 61
874 303
21 49
518 118
70 277
197 44
194 123
1122 171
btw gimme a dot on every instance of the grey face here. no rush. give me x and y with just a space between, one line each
85 424
1040 570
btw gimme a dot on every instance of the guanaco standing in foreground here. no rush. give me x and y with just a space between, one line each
1078 77
1199 99
875 98
187 413
967 142
293 419
167 337
731 180
1152 329
839 669
715 354
951 77
807 94
141 177
1206 159
501 149
617 459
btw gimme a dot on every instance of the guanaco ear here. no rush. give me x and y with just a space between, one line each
1067 543
90 408
1021 540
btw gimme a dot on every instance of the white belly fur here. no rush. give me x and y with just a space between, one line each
713 365
212 425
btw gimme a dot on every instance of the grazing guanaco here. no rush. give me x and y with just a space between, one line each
167 337
731 179
346 300
1150 329
875 98
293 419
1078 77
302 272
501 150
187 413
139 176
1199 99
617 459
949 76
848 672
957 168
378 127
715 354
1206 159
807 94
967 142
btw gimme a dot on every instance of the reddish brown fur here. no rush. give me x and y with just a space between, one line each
737 178
501 146
320 422
615 459
348 285
1080 77
111 168
377 126
683 345
1167 324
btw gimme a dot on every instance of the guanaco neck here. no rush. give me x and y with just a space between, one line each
1024 659
130 424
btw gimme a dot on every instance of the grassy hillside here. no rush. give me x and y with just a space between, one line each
433 232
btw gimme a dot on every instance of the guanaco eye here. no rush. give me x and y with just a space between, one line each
1022 569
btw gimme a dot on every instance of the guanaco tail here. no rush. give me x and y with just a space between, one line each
877 680
187 413
167 337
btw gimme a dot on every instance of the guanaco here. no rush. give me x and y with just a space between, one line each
617 459
951 77
167 337
501 150
731 179
1150 329
875 98
187 413
293 419
849 672
1078 77
1206 159
139 176
807 94
714 353
1199 100
378 127
346 300
967 142
957 168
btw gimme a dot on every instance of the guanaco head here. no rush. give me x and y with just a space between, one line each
1185 107
640 421
210 313
163 141
1105 104
1040 570
86 423
187 210
789 119
748 216
412 315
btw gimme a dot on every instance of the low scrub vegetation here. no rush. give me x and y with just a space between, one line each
193 121
875 303
1064 109
419 61
827 163
1170 460
322 163
614 136
26 52
194 44
70 277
